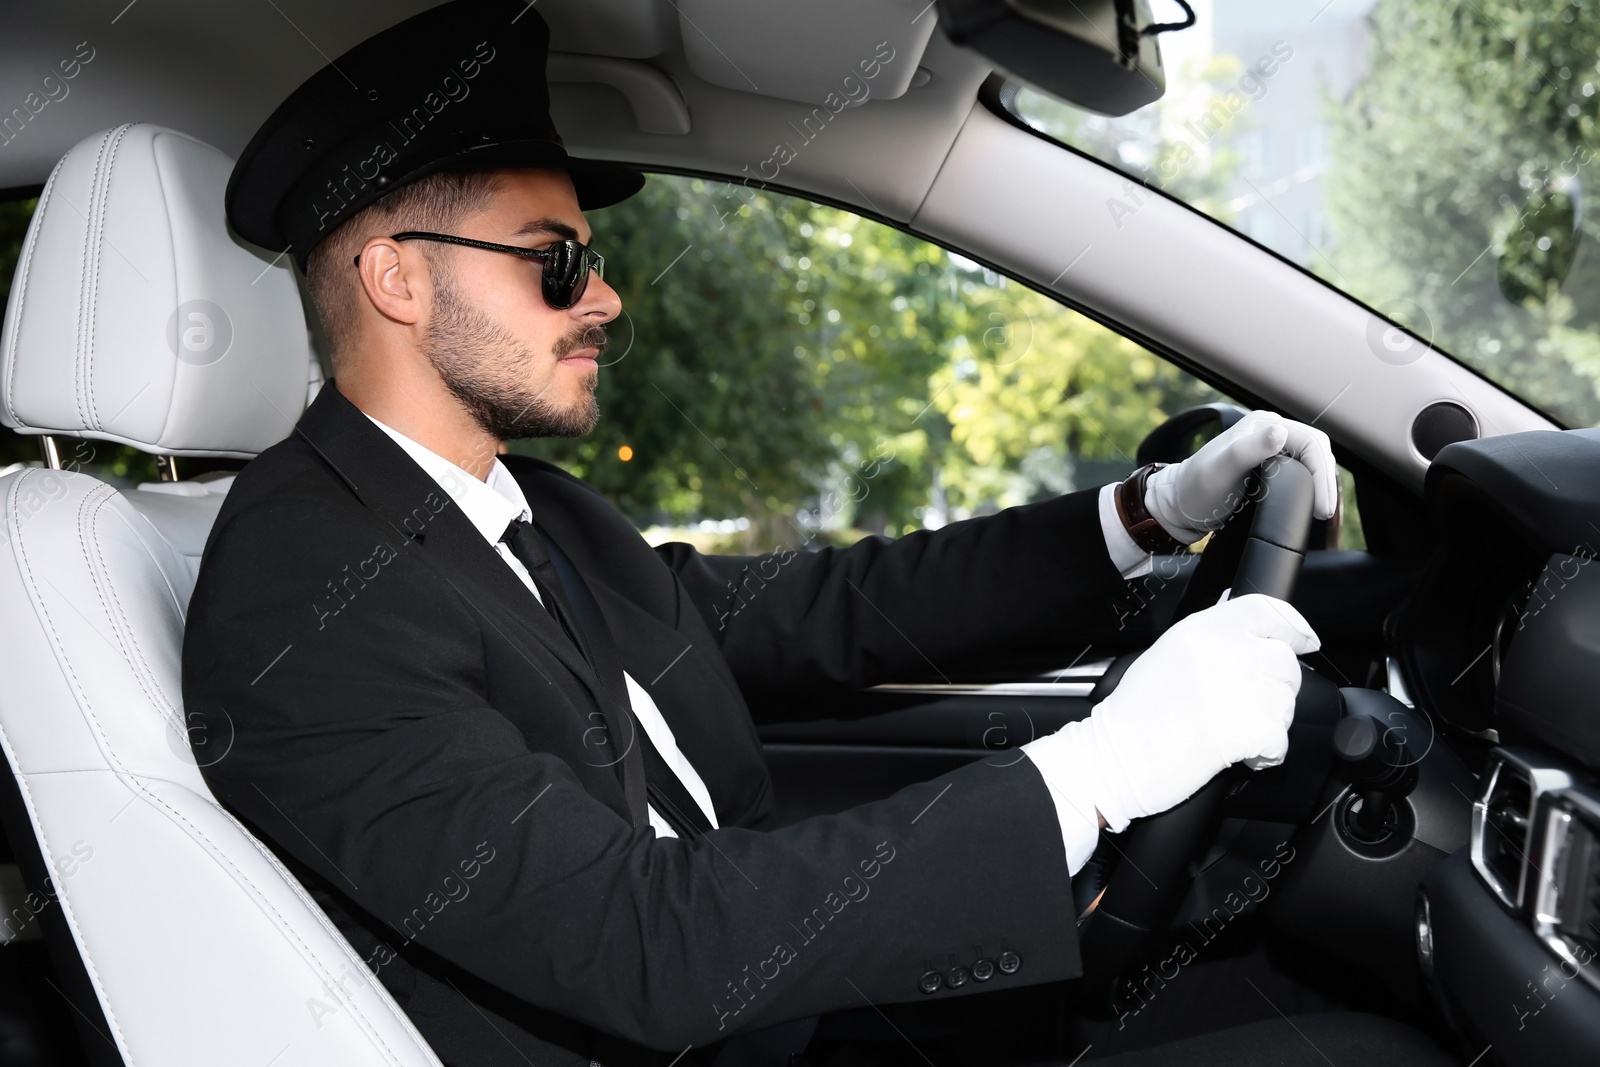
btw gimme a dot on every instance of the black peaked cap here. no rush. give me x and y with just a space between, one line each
458 87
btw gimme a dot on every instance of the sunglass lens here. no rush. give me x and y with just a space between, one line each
566 274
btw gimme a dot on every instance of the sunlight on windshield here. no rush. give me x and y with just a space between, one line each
1427 157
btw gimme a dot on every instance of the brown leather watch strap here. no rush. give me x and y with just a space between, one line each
1146 532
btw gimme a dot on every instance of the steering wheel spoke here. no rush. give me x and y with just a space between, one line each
1259 550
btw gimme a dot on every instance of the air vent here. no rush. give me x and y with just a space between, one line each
1566 894
1441 423
1503 819
1500 823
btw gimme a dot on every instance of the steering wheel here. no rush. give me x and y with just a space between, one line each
1261 549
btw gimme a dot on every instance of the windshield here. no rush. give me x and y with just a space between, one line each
1429 158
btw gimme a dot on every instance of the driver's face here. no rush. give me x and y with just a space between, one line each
521 367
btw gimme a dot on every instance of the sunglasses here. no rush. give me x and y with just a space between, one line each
566 265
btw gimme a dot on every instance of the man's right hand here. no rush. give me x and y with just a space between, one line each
1217 688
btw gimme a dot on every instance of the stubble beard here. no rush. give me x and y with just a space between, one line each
487 370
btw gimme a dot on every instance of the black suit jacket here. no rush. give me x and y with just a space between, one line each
412 733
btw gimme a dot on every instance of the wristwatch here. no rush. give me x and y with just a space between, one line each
1146 532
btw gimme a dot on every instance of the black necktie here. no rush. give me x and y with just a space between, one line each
526 544
592 638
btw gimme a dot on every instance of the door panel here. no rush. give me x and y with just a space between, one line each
891 736
910 733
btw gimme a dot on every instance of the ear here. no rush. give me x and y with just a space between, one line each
395 278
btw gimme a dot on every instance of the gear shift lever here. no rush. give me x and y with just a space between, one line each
1381 768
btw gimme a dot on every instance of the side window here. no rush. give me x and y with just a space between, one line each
787 374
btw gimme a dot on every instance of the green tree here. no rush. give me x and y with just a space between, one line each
1065 393
1142 144
803 367
705 388
774 348
1463 181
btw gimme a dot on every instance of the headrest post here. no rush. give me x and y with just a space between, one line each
51 451
167 468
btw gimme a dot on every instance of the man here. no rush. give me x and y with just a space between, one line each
434 657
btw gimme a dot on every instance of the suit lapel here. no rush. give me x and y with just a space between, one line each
424 518
703 725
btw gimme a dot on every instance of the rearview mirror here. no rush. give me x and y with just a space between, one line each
1100 55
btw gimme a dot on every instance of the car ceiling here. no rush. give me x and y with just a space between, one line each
706 85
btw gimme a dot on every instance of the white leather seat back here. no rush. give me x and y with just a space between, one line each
200 947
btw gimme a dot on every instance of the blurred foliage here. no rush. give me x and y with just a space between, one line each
1351 533
1142 144
14 216
824 375
1059 390
765 342
1463 179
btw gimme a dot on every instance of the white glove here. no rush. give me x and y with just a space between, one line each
1217 688
1192 498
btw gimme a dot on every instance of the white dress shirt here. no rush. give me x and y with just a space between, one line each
1073 782
491 505
1125 552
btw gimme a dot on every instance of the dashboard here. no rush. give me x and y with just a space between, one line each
1501 641
1501 637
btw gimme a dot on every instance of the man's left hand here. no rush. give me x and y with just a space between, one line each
1192 498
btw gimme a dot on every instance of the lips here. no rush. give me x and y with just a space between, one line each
583 347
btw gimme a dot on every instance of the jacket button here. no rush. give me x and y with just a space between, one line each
982 969
957 977
930 982
1009 962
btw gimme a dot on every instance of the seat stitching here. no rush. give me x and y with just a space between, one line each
101 498
177 370
91 279
88 511
23 277
127 777
259 899
61 896
321 916
177 602
105 194
61 892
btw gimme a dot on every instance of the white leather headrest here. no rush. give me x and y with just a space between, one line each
135 316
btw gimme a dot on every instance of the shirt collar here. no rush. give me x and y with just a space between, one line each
490 504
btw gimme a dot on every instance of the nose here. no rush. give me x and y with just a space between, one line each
599 303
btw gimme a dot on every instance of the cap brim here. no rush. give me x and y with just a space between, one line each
603 184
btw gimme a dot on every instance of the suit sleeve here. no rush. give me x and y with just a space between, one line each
1033 581
362 745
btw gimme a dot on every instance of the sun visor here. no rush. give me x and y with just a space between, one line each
832 53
